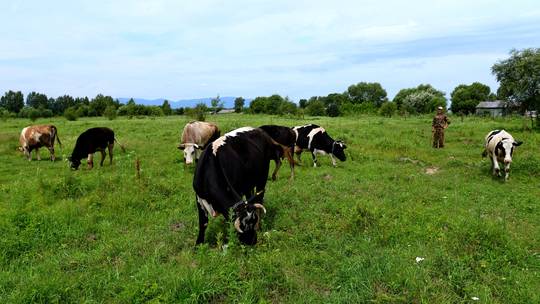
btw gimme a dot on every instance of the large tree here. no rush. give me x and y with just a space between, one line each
37 100
61 103
365 92
12 101
519 78
465 98
420 103
166 107
217 104
239 104
99 104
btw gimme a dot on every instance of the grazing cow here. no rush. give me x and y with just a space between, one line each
35 137
499 145
315 139
234 166
286 137
90 141
195 136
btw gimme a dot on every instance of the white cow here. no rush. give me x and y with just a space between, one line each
195 136
499 145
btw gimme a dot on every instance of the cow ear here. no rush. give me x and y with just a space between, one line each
181 146
517 143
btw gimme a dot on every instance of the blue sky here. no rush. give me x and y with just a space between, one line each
190 49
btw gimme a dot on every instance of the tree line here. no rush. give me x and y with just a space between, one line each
518 76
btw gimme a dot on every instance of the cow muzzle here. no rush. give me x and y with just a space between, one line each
507 160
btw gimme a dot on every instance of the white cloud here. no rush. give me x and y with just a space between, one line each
180 49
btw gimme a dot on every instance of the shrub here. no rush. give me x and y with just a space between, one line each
315 108
198 112
388 109
71 114
110 112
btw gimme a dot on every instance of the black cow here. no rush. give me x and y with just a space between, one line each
315 139
90 141
234 166
286 137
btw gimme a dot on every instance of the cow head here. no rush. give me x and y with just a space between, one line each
190 152
338 150
74 162
247 221
505 149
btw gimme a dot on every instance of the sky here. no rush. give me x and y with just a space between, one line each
191 49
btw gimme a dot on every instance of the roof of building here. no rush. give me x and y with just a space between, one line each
496 104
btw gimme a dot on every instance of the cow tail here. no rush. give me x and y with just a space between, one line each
57 137
121 146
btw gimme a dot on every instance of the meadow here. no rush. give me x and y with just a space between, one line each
398 222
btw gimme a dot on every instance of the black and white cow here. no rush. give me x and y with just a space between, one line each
231 174
315 139
286 137
499 145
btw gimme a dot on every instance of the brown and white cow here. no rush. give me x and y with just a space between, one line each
195 137
35 137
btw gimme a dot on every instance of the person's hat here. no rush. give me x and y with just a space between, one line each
439 108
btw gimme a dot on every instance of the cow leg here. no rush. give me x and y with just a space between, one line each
51 150
278 165
111 146
102 157
203 223
314 156
37 154
506 171
28 153
333 160
298 153
90 161
290 159
496 169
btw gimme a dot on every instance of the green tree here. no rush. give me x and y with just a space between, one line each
519 78
465 98
316 108
437 97
388 109
365 92
166 107
422 102
37 100
71 113
99 104
12 101
61 103
216 104
198 112
302 103
257 105
239 104
110 112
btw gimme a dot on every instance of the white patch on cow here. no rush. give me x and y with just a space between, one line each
207 207
312 134
190 152
221 141
36 136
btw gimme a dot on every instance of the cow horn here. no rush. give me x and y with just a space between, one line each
196 146
237 225
260 206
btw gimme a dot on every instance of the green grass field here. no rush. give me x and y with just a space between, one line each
349 234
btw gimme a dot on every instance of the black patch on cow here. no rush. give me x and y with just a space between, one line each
499 149
492 134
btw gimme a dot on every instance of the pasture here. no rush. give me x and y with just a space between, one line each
352 234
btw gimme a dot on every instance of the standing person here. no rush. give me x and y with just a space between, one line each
440 122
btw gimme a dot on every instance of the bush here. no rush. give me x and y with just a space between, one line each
110 112
198 112
71 114
388 109
333 110
315 108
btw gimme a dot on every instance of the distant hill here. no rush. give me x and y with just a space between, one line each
228 102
